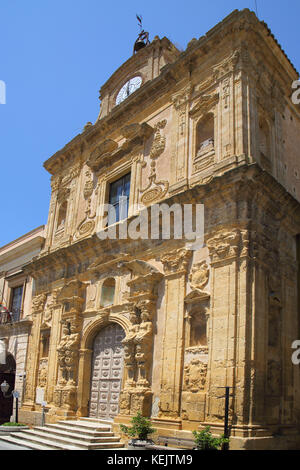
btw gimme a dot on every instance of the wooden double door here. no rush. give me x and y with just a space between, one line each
107 372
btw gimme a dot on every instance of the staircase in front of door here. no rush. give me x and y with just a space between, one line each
82 434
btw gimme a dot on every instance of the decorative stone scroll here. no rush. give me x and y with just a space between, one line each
155 190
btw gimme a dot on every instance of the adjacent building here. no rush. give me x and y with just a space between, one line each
15 313
124 324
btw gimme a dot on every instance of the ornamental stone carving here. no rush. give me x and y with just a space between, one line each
68 353
195 376
155 190
224 245
176 260
88 185
43 373
199 276
38 302
159 141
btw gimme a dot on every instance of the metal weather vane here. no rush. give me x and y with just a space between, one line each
143 37
140 20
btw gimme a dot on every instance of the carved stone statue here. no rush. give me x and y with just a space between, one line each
67 354
129 350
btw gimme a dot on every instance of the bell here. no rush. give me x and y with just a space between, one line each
139 44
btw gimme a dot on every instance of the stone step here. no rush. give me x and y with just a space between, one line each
109 422
80 434
75 429
41 444
71 437
86 425
47 440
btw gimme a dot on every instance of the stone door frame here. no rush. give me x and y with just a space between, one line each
85 358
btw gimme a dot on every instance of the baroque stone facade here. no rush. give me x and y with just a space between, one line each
125 325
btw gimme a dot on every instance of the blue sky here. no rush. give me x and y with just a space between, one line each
56 54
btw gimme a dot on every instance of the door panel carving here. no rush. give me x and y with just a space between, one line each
107 372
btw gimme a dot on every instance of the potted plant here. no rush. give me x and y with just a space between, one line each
139 431
205 441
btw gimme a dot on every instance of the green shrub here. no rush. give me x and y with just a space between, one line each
13 424
205 441
141 427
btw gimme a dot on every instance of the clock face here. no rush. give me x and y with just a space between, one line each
129 87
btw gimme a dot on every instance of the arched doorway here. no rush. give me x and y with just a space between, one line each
8 373
107 372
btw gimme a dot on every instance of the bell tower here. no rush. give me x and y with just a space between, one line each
143 37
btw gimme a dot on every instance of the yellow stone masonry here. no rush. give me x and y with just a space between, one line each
214 125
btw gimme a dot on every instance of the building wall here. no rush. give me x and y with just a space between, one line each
236 79
15 335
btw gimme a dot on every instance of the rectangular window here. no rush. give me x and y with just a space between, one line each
16 303
119 199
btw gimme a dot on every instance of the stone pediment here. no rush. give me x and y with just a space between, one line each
204 104
73 289
135 134
136 130
105 148
196 296
138 267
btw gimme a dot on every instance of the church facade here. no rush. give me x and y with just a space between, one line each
157 325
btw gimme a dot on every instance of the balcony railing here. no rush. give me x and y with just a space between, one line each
9 317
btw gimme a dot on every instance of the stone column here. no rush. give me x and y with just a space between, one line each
175 266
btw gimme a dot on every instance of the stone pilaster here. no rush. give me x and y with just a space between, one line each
228 324
175 266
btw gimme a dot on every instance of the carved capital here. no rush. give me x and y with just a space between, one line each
176 261
38 303
224 245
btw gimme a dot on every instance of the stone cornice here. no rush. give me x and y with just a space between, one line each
24 245
247 183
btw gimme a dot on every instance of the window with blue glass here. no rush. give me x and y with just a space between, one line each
119 199
16 302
